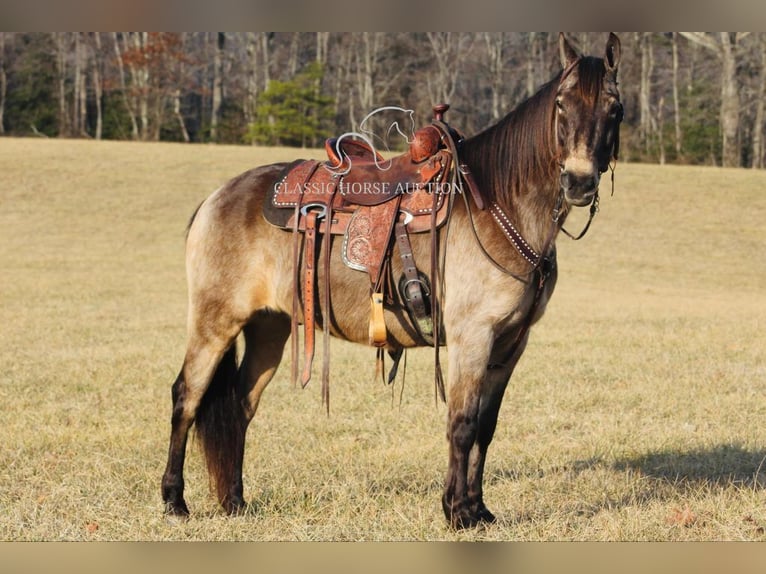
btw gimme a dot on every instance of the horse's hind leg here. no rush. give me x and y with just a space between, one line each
265 338
204 358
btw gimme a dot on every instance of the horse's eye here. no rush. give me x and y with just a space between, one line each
559 105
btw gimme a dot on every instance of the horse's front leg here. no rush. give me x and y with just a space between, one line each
467 369
477 384
502 362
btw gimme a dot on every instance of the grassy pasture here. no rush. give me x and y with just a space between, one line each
637 412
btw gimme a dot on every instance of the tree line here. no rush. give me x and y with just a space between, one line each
689 97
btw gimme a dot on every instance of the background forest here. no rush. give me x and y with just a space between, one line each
695 98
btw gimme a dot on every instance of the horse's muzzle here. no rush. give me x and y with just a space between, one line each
579 189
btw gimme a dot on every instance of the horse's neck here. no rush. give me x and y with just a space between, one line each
532 211
530 208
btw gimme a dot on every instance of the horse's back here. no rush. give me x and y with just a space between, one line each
240 199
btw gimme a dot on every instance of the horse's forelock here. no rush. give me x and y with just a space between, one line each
590 78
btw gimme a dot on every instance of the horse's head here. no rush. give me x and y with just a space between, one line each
587 119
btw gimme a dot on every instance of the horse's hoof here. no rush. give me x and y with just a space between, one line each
484 515
235 507
464 518
176 512
464 522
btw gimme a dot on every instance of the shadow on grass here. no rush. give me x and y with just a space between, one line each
721 466
656 476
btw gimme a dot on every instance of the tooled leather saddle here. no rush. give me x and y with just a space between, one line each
373 203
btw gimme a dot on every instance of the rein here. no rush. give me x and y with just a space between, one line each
517 240
593 211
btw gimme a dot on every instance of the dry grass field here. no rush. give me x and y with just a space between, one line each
637 413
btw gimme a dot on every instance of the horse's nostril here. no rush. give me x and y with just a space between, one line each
566 180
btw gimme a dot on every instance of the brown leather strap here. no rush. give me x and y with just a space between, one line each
473 187
412 290
435 310
297 241
308 169
513 234
309 264
452 139
326 251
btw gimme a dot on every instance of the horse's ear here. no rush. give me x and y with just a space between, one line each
567 54
612 59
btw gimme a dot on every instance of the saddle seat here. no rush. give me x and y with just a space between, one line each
356 175
340 150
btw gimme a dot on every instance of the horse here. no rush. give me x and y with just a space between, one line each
533 167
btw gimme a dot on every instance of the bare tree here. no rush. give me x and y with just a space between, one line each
127 99
374 73
292 62
496 47
218 47
97 78
129 46
661 129
323 40
3 81
729 101
80 99
449 50
154 62
251 77
369 45
725 46
62 49
342 79
758 127
647 125
676 106
535 57
266 38
140 72
177 94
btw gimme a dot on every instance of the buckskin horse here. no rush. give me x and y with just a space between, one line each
495 260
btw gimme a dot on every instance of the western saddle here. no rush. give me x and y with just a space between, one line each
372 203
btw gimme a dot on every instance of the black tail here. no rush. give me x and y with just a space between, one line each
221 426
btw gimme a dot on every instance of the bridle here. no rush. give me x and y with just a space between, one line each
610 166
542 261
